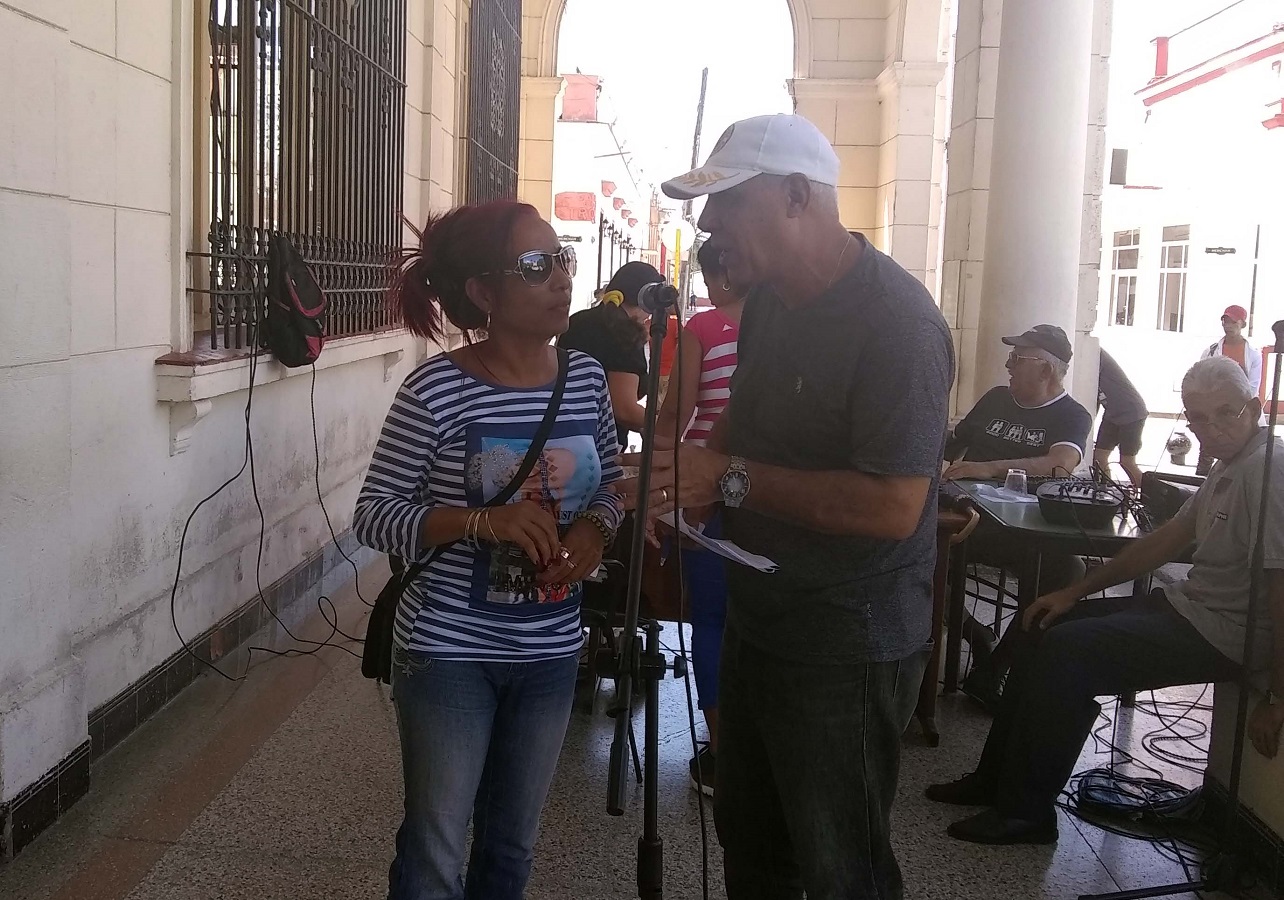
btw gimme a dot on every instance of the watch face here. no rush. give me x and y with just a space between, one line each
735 483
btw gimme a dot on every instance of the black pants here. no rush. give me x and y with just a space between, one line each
808 757
1102 647
989 546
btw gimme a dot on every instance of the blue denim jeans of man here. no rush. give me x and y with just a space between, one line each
478 739
808 756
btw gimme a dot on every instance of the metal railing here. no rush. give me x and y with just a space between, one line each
306 130
609 240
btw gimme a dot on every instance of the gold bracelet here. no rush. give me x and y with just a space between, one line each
470 526
486 520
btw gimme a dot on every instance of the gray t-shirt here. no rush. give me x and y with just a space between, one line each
858 379
1214 597
1117 394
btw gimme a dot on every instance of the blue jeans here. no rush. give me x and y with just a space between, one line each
808 756
706 577
479 739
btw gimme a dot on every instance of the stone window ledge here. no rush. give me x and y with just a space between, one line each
189 381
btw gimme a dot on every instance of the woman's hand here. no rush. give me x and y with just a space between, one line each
581 554
526 524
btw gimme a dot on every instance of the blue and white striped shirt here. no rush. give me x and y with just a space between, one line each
452 440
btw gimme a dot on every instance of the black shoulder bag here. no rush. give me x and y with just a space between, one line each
376 657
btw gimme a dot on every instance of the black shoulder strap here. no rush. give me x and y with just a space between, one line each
528 463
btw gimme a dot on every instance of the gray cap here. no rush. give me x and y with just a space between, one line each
1045 337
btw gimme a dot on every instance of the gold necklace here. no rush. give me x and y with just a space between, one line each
477 356
839 264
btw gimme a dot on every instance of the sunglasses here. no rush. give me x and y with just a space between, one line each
535 267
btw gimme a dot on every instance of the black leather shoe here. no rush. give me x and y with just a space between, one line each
993 827
984 688
966 791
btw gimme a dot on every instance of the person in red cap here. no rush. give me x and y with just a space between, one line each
1235 346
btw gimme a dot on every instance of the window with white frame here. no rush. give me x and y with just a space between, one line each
1174 257
1123 278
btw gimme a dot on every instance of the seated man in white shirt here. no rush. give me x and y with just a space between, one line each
1032 424
1191 632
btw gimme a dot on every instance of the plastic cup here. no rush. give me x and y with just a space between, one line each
1015 481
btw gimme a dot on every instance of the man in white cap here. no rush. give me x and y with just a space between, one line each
826 460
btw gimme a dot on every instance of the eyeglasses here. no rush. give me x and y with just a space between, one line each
1219 419
535 267
1014 356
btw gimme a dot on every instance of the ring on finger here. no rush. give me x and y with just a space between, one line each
664 494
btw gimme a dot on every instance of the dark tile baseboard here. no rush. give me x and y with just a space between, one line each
39 805
1258 846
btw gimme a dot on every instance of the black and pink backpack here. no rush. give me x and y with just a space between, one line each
295 306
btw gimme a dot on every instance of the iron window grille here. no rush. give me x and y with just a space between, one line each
306 131
494 71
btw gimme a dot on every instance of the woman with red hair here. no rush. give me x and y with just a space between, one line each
487 637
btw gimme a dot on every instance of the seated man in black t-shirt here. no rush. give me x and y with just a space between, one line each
1030 424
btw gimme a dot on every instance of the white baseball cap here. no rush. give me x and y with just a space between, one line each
763 145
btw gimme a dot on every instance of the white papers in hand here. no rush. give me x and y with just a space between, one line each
725 549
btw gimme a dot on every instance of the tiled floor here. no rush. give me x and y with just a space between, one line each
288 786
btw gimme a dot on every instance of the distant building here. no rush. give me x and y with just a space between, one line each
1193 209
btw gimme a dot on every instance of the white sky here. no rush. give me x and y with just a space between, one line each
650 56
1137 23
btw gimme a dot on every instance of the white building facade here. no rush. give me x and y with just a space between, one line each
1195 221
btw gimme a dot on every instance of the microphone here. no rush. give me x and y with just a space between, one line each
657 297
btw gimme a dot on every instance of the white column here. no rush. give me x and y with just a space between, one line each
535 145
1034 229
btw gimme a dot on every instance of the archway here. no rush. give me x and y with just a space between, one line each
871 84
541 83
542 24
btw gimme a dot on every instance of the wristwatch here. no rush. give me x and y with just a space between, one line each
734 483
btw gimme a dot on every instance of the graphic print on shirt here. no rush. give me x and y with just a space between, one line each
1034 437
997 427
562 482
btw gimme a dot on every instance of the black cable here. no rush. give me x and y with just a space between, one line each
678 430
316 448
248 463
258 565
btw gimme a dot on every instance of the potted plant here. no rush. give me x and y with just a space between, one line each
1178 446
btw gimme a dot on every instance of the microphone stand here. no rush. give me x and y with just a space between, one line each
638 660
1222 872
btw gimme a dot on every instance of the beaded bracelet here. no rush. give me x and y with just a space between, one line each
599 522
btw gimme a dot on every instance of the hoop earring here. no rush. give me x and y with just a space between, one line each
726 285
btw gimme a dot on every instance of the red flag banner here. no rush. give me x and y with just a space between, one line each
608 188
575 206
618 203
